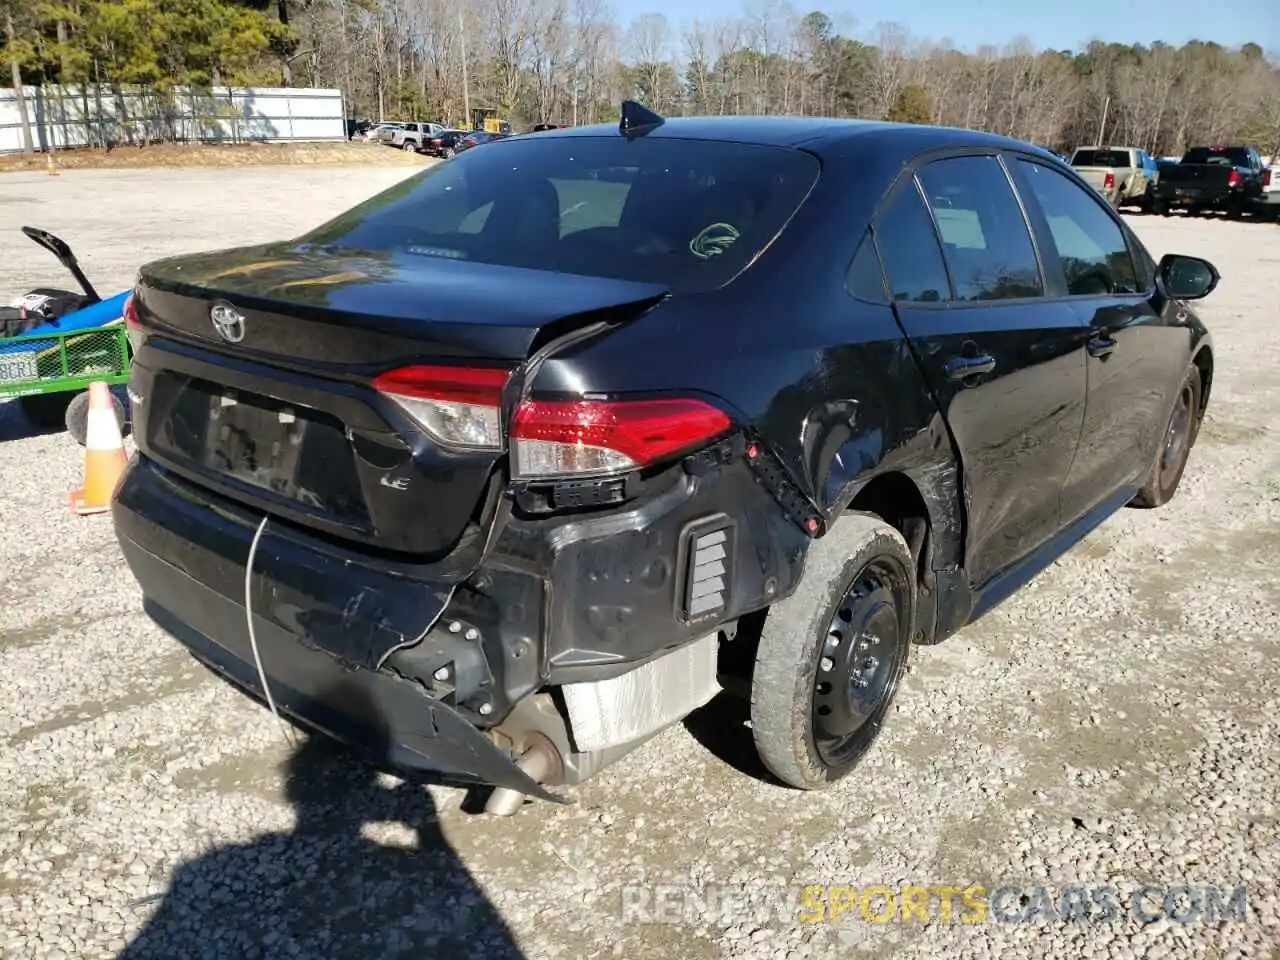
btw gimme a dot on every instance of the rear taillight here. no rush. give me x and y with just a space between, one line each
459 406
132 323
1266 178
1233 179
589 437
1109 181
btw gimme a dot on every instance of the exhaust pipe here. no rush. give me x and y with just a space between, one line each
538 763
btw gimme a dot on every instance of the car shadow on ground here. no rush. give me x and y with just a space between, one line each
14 424
325 889
722 729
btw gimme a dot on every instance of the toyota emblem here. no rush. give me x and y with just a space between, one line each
228 321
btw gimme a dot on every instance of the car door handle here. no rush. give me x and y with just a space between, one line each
962 368
1101 347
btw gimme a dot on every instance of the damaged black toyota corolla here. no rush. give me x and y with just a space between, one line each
522 460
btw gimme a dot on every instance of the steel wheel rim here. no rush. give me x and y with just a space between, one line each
858 666
1177 436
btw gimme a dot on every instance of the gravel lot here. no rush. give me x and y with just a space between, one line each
1117 723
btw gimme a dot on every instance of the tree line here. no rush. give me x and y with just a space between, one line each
572 62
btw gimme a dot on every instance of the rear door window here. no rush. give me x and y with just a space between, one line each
985 237
687 214
1091 246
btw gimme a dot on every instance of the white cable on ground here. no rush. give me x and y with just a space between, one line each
253 639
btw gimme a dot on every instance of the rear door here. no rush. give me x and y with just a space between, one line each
1135 359
1006 365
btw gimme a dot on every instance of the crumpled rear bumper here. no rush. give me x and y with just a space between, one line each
389 717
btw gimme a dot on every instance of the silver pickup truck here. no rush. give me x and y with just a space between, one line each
1124 175
411 137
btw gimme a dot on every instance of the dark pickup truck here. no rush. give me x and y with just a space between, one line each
1212 178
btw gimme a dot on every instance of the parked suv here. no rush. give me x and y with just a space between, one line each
505 470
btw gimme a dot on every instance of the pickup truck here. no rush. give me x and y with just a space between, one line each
412 137
1213 178
1271 192
1124 175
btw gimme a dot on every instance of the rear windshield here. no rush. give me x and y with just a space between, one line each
1227 156
1102 158
687 214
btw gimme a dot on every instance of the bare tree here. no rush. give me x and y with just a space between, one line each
15 51
573 60
507 41
548 48
649 43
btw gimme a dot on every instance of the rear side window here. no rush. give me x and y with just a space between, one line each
1102 158
1092 247
909 249
985 237
687 214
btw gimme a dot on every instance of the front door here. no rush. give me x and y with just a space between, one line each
1130 349
1006 365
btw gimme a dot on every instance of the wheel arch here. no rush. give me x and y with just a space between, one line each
923 504
895 498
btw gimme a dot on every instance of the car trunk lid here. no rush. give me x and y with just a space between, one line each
286 413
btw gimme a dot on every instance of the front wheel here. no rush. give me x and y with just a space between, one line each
448 153
1175 444
831 656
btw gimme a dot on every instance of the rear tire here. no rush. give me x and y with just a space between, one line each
409 147
1179 436
831 656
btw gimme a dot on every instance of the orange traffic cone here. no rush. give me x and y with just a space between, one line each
104 456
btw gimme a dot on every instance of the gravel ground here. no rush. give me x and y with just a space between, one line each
1115 724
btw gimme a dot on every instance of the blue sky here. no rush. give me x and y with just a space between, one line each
1064 24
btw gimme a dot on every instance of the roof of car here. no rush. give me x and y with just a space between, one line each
797 131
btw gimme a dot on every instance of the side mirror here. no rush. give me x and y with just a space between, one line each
1187 278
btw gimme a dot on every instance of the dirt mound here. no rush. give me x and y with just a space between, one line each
213 155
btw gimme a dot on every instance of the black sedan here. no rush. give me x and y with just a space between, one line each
444 144
477 137
510 467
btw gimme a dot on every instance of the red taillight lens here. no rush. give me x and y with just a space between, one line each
1266 178
585 437
1109 181
458 406
132 323
1233 178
